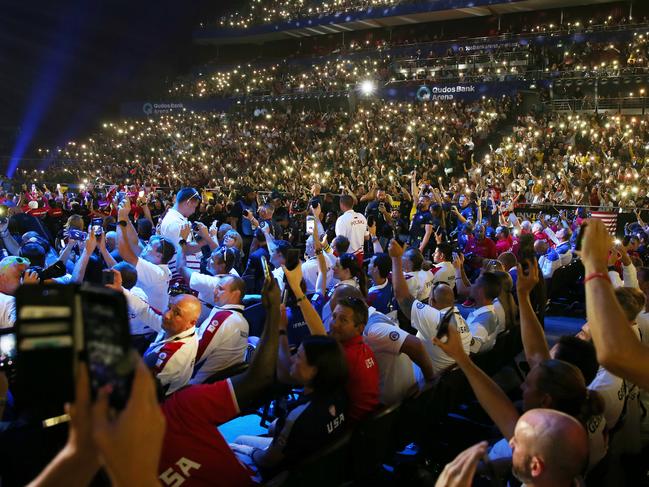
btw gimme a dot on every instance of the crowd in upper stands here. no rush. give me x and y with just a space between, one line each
339 72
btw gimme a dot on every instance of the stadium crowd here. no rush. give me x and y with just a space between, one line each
371 281
357 188
344 71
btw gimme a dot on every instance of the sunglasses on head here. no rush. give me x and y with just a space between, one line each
195 195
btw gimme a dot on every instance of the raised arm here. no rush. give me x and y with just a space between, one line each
108 259
80 266
9 242
123 244
399 284
250 386
618 348
311 317
491 397
534 341
462 282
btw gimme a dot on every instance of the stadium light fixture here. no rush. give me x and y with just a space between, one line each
367 87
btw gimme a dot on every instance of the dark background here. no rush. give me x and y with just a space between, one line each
65 65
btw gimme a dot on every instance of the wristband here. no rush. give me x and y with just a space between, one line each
318 252
282 332
301 298
122 223
182 242
597 275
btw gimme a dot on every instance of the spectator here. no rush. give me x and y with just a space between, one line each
172 354
223 336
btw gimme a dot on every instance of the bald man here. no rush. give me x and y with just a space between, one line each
549 448
426 319
172 354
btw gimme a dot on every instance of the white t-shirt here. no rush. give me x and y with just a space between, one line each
444 272
413 283
142 318
172 359
612 390
483 325
310 272
426 280
425 319
223 339
7 311
154 280
500 315
170 228
353 226
397 371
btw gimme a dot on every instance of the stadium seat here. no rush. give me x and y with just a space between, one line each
567 286
373 442
325 468
256 316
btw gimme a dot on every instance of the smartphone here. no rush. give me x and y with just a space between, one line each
107 276
580 236
292 259
48 341
97 222
7 348
107 343
266 269
140 194
310 223
54 325
78 235
442 329
315 202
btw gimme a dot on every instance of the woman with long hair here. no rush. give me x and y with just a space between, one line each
317 418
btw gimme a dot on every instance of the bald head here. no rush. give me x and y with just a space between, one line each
344 291
183 313
540 247
442 297
550 448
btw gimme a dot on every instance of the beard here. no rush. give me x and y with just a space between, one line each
521 471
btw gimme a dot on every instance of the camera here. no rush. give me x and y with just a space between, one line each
56 324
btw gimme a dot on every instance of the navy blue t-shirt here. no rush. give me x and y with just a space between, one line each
418 226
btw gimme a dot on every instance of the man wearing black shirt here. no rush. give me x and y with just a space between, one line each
421 227
379 210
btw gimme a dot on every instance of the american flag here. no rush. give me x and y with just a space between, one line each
609 218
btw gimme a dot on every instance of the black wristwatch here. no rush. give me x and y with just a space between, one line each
122 223
182 242
282 332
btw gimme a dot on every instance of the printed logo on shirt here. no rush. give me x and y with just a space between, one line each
162 356
336 422
394 336
420 305
369 363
